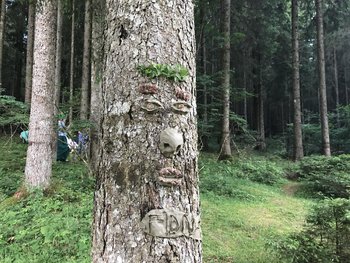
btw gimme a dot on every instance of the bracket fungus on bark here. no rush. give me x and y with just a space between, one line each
170 142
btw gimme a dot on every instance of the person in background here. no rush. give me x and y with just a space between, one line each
62 143
24 136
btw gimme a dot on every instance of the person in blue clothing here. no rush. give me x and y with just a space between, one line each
24 136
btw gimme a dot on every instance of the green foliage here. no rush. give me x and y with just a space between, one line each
219 178
13 112
327 175
11 166
50 226
222 178
171 72
339 130
260 171
325 238
46 229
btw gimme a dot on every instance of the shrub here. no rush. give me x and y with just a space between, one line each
13 112
260 171
325 238
327 175
221 177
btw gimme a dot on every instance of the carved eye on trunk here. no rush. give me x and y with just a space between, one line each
181 107
152 106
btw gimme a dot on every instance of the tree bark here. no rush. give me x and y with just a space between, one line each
30 47
2 35
225 149
96 77
298 136
71 70
40 147
322 80
84 103
147 198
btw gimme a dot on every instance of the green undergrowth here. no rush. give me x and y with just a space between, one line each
50 226
246 205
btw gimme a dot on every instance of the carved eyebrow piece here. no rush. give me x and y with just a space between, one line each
148 88
181 94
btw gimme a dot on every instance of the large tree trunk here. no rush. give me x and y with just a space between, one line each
29 55
298 136
147 199
84 103
322 80
71 70
2 35
225 150
39 154
96 75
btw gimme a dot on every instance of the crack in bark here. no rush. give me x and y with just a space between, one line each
123 34
103 227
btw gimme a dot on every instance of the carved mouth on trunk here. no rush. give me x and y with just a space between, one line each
170 177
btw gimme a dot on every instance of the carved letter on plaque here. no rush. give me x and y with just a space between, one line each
170 224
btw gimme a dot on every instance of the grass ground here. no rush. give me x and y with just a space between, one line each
238 224
240 231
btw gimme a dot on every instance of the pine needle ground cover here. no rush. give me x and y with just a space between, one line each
245 207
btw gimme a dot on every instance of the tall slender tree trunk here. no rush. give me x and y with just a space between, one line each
84 104
322 80
29 55
261 114
336 84
147 199
245 100
205 138
40 147
96 77
71 71
2 36
58 55
225 150
298 136
205 95
346 77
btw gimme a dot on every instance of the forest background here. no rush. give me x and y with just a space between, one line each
261 98
260 70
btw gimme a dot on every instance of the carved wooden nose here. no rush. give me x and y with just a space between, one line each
170 142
